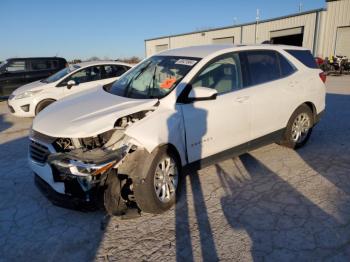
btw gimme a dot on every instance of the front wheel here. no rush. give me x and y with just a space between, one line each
299 128
157 192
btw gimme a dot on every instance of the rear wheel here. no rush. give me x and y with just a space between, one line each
42 105
157 192
299 128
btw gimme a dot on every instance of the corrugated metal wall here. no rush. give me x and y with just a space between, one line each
337 14
307 21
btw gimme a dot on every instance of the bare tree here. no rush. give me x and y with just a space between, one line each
130 60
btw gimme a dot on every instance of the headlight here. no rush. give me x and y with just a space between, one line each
27 94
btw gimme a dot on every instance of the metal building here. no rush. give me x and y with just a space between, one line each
324 31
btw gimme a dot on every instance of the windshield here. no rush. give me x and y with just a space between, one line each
57 76
3 63
153 78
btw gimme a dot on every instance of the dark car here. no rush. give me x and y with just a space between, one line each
16 72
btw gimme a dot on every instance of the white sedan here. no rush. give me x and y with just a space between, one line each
30 99
183 107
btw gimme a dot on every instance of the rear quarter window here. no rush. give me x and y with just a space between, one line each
286 67
304 56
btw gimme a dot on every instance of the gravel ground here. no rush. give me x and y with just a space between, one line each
271 204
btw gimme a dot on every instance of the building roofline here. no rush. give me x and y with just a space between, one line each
240 25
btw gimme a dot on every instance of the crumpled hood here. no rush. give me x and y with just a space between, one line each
31 86
87 114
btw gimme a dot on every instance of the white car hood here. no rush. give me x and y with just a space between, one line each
87 114
27 87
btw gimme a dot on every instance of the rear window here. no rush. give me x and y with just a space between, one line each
40 64
304 56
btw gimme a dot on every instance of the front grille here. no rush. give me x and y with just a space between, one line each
38 152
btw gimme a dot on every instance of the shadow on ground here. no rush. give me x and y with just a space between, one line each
31 227
4 124
282 223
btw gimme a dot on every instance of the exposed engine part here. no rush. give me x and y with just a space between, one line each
104 140
97 141
130 119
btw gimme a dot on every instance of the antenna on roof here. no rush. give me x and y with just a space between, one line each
256 25
300 7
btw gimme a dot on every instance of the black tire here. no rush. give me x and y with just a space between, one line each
288 134
145 192
114 204
43 104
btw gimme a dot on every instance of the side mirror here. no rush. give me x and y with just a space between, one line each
71 83
201 93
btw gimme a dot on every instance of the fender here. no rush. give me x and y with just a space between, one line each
163 126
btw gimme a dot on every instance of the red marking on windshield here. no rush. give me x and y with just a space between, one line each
168 83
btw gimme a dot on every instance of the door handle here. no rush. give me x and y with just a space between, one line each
241 99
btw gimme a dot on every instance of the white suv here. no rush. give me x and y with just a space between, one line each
28 100
183 107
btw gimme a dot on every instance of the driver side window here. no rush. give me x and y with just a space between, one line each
222 74
85 75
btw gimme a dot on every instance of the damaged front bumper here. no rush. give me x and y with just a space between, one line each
86 164
74 179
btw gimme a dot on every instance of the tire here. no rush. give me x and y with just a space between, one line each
42 105
157 192
296 133
114 204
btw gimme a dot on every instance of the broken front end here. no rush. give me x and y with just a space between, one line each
83 173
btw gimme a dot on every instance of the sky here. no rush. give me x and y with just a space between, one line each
114 29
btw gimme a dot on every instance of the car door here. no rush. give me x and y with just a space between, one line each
85 79
13 76
274 92
221 124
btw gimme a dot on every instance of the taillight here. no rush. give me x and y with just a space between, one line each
323 77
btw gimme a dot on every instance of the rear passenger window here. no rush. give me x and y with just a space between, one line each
40 65
109 71
286 67
263 66
54 64
304 56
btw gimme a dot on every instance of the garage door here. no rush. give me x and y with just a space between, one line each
291 36
224 40
342 46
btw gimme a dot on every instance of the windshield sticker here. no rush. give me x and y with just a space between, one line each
168 83
186 62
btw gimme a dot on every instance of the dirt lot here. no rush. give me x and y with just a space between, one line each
272 204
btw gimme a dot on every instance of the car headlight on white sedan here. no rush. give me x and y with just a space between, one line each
27 94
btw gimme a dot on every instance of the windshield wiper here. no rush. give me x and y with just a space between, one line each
127 87
151 88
